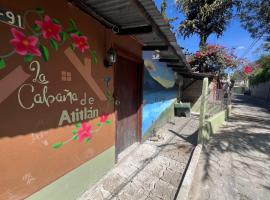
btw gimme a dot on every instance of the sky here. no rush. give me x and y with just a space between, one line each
234 37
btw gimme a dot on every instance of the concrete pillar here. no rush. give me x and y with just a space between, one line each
203 134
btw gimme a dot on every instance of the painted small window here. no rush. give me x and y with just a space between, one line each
66 76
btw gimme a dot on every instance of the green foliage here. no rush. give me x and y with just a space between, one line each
163 8
262 72
255 18
239 75
204 17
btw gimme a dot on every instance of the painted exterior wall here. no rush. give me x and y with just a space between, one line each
261 90
158 96
193 92
57 114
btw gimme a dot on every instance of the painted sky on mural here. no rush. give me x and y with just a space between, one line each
234 37
159 71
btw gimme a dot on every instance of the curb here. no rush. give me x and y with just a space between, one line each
188 178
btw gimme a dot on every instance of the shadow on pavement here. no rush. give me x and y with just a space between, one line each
246 136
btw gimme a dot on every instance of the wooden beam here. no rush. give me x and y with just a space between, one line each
180 69
135 30
171 60
176 66
195 75
155 47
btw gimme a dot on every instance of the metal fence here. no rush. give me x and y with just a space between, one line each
213 101
217 101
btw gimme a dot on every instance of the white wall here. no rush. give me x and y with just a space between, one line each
261 90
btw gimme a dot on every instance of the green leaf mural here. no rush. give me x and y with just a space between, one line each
57 145
44 51
78 125
63 36
72 26
94 57
36 28
86 140
56 21
54 44
72 47
2 64
28 58
75 137
40 11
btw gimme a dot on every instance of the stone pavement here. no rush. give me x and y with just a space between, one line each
235 165
153 170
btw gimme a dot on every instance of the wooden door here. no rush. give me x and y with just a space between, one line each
127 102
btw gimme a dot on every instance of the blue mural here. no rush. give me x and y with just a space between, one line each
159 90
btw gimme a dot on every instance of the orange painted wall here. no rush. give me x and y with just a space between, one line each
28 160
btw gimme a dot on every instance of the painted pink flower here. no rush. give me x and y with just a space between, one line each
104 118
198 54
49 29
84 132
248 69
23 44
80 42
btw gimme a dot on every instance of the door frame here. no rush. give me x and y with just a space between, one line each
134 58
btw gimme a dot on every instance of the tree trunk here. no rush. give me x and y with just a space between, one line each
203 39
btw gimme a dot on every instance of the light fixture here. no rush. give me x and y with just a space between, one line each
111 57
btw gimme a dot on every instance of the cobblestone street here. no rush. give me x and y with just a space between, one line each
154 169
236 163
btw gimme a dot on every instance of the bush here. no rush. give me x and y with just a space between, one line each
262 72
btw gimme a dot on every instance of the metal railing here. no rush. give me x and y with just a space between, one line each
217 101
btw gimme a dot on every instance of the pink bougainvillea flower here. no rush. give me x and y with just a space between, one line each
23 44
198 54
84 132
80 42
104 118
248 69
210 47
49 29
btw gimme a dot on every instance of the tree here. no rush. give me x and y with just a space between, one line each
163 8
261 72
255 18
205 17
213 59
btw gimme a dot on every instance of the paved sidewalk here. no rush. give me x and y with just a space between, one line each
153 171
236 163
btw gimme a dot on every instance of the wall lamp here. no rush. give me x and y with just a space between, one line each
111 57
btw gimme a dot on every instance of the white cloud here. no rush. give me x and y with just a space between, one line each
240 47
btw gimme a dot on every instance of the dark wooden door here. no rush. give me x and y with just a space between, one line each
127 100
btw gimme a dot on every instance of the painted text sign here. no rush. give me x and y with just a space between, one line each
11 18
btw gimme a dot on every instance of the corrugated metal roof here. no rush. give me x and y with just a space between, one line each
135 13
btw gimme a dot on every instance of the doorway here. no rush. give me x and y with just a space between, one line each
128 100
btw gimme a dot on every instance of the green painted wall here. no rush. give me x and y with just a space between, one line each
162 120
74 183
214 123
195 108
